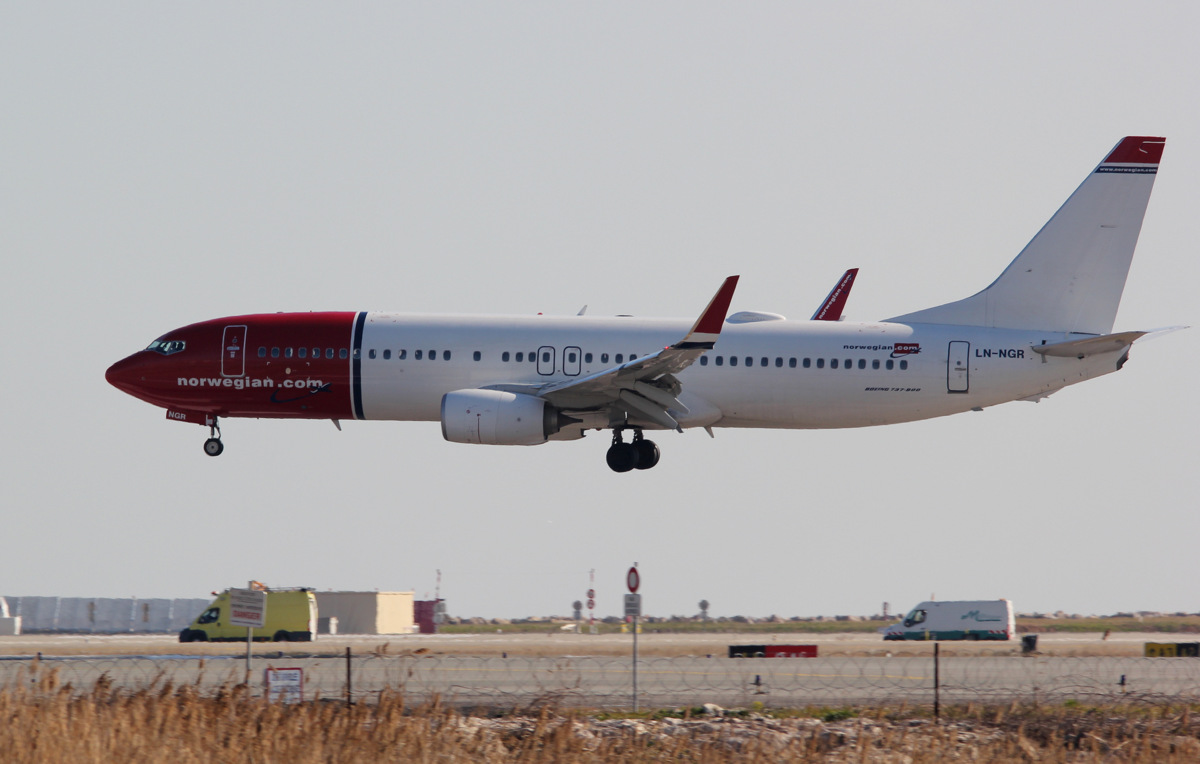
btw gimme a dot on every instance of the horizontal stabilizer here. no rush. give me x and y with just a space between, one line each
1109 343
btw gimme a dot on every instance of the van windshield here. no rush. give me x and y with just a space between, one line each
209 616
915 617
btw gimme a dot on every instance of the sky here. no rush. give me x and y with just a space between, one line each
167 163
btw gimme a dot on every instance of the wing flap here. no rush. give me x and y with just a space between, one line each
647 384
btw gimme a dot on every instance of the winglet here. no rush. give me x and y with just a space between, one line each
831 309
707 328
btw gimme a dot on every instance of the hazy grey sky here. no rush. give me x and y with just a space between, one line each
166 163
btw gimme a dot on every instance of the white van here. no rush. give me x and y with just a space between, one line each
983 619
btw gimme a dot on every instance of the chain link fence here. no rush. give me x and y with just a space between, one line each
606 682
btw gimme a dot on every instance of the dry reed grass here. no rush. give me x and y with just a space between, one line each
45 722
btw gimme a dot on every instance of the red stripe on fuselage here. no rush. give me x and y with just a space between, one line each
279 383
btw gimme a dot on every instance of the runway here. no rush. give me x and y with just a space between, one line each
508 673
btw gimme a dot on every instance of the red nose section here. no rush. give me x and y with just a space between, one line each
125 375
134 375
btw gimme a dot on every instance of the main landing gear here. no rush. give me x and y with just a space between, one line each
639 454
213 446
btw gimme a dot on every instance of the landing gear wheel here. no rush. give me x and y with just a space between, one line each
622 456
647 453
213 446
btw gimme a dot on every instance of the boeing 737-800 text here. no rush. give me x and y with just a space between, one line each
1045 323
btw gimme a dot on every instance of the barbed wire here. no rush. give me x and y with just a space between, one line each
606 682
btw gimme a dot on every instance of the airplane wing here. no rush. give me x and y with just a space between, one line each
647 385
835 303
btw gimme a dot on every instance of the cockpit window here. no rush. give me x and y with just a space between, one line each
167 347
210 615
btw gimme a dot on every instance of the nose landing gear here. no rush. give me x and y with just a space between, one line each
213 446
639 454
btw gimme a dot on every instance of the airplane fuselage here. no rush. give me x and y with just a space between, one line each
770 373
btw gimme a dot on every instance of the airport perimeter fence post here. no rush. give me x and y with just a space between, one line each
349 679
937 699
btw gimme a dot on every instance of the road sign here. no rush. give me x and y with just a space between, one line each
247 607
633 605
633 580
284 685
591 604
591 594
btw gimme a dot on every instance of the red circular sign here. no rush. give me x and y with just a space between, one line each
633 580
591 594
591 604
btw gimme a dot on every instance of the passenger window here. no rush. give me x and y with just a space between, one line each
371 353
604 358
720 360
587 357
329 353
418 355
778 363
862 363
445 355
545 358
387 354
791 363
357 353
820 363
478 356
274 352
849 364
763 361
520 357
504 356
302 352
262 352
633 356
833 363
904 365
733 360
704 360
749 361
890 364
620 357
401 355
342 354
316 353
433 355
571 357
531 356
287 352
875 364
807 363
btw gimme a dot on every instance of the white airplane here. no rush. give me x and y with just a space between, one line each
1045 323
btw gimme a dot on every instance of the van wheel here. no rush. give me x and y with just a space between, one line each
282 636
973 637
199 636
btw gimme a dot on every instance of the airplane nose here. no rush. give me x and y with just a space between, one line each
125 375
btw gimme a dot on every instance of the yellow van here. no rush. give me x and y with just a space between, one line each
291 616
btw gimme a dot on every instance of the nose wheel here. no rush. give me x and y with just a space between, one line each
213 446
640 454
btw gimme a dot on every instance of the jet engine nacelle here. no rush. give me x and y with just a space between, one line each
495 418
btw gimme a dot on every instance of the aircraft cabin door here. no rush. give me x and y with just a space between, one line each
571 361
545 360
957 371
233 351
